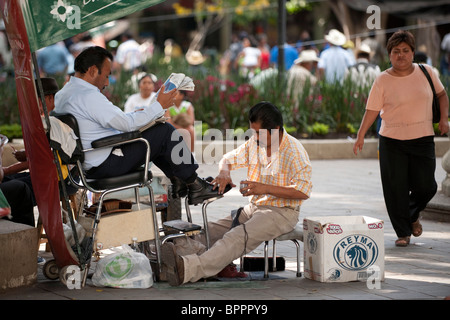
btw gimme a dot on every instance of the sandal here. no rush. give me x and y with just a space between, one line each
402 242
416 228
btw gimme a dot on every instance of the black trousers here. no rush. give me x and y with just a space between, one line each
21 199
407 175
168 152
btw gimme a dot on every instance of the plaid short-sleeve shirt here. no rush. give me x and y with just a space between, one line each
288 166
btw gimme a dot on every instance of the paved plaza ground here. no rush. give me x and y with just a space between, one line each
341 188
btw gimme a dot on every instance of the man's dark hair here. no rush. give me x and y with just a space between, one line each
91 56
363 55
267 114
420 57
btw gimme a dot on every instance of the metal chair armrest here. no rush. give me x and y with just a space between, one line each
116 139
119 140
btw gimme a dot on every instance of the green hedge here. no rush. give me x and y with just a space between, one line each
224 103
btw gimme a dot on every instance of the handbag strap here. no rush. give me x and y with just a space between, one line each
422 67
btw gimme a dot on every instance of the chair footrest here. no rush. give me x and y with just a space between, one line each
181 225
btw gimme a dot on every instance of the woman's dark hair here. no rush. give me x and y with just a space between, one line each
267 114
91 56
399 37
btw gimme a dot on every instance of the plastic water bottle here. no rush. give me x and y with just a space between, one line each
134 244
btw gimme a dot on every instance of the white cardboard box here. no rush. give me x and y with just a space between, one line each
343 248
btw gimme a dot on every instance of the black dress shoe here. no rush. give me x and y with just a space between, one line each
201 190
179 188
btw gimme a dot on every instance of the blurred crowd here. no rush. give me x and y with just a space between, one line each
249 57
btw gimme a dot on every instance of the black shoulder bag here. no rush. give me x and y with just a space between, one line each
436 107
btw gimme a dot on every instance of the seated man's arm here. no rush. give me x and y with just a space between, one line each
286 192
224 176
237 158
15 168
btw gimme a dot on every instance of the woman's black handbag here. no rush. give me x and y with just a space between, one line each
436 107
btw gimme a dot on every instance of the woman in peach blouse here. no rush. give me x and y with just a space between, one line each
403 98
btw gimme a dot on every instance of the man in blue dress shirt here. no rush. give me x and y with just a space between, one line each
97 118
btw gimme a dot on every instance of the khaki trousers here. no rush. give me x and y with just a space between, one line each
258 224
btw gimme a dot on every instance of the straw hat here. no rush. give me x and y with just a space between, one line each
349 44
307 55
336 37
195 57
364 48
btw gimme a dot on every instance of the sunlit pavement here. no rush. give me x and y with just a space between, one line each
341 187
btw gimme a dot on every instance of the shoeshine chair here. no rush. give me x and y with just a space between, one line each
295 236
142 177
187 228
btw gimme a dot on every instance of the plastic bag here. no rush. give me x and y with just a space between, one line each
68 233
124 269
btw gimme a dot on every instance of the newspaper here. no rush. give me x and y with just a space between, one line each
152 123
175 80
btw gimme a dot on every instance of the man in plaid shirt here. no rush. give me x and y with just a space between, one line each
278 181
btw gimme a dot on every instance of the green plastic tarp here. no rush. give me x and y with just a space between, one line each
50 21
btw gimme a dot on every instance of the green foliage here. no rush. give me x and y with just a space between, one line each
290 130
8 104
320 129
294 6
224 103
12 131
351 129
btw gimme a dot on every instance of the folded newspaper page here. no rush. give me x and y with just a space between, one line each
152 123
175 80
